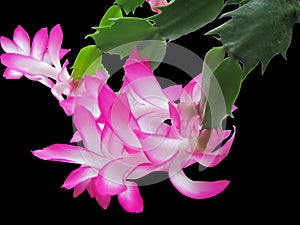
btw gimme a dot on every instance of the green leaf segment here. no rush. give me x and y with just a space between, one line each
258 30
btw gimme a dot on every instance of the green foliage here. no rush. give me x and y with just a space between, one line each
182 17
222 80
87 62
130 5
112 13
258 30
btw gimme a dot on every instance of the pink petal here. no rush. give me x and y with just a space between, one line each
42 79
173 92
194 189
76 137
70 154
88 129
111 144
158 148
68 105
63 52
139 77
54 45
154 3
175 117
9 46
28 65
12 74
80 188
112 176
131 199
39 44
79 175
106 103
103 200
22 39
123 121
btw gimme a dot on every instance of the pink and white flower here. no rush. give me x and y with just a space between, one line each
129 139
38 60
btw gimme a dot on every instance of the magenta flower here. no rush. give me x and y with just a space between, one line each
155 3
126 137
39 60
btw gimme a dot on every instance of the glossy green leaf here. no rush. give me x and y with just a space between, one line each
130 5
87 62
225 85
182 17
128 33
113 12
258 30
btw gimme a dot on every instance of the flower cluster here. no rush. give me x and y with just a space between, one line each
124 134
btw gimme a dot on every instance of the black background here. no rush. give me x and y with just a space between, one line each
262 165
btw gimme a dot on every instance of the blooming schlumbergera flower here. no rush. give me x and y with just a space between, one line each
124 135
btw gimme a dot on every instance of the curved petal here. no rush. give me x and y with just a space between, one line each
12 74
80 188
28 65
106 103
112 176
158 148
103 200
54 45
88 129
22 39
39 44
112 146
79 175
123 122
9 46
139 77
194 189
130 199
70 154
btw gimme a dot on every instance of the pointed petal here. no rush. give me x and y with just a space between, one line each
80 188
79 175
123 122
139 77
54 45
70 154
131 199
76 137
12 74
9 46
112 176
28 65
174 115
103 200
39 44
106 103
42 79
22 39
194 189
68 105
88 129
